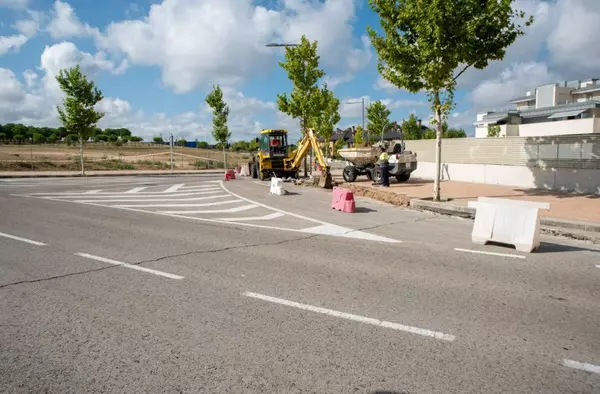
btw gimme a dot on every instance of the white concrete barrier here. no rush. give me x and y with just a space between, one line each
277 187
245 170
512 222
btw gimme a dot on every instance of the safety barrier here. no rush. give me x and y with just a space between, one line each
512 222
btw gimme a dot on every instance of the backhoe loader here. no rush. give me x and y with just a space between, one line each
276 158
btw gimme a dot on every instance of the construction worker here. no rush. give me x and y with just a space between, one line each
383 166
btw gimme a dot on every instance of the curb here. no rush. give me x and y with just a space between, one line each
211 172
568 228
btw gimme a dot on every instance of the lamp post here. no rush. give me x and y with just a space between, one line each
278 45
362 101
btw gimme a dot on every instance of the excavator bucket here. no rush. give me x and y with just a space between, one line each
325 180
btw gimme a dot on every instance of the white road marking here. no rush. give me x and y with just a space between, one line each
136 189
174 188
581 366
348 316
249 218
207 204
121 194
92 191
230 210
133 267
149 199
514 256
29 241
598 266
339 231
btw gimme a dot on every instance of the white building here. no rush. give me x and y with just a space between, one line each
553 109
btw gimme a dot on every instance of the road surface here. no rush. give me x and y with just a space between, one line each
190 284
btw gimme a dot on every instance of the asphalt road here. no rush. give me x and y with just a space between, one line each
185 284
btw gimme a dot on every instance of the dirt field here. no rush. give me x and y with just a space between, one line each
109 157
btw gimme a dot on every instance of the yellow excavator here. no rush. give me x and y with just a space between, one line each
275 157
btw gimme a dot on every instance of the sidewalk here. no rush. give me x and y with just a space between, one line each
566 206
60 174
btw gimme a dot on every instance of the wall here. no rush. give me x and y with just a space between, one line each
559 127
561 179
557 162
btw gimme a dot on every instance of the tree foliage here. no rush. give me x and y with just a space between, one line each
329 115
220 109
411 129
428 45
313 106
78 113
359 139
378 119
493 130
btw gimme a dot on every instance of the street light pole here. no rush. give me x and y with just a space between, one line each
171 143
363 113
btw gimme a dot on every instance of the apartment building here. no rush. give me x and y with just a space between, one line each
571 107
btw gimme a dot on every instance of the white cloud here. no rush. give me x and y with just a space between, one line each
494 94
12 43
573 44
65 24
18 4
30 77
195 42
384 84
28 27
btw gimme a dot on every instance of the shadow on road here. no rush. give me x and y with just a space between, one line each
548 247
364 210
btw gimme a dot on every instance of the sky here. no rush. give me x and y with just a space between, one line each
155 61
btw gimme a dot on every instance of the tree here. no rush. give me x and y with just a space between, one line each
378 117
428 45
202 144
3 137
52 138
38 138
220 114
359 134
158 140
411 128
328 117
135 138
78 113
493 130
455 133
306 100
181 142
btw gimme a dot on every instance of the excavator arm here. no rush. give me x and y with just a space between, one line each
309 140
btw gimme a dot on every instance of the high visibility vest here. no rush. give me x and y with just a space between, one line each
384 156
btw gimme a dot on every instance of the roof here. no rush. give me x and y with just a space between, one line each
269 131
522 99
393 134
566 114
587 89
539 112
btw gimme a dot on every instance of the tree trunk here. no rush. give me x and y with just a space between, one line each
81 154
224 158
438 146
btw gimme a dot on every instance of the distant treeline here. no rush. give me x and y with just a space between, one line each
20 134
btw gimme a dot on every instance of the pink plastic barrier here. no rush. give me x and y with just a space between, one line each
230 174
343 200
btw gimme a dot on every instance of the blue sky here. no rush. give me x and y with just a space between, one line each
155 61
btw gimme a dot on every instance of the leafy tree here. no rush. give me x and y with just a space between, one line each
306 100
411 128
202 144
181 142
428 45
158 140
3 137
359 137
378 117
19 138
493 130
78 114
455 133
125 139
52 138
220 114
38 138
112 138
135 138
329 116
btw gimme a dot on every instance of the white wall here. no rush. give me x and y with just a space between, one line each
560 127
564 179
